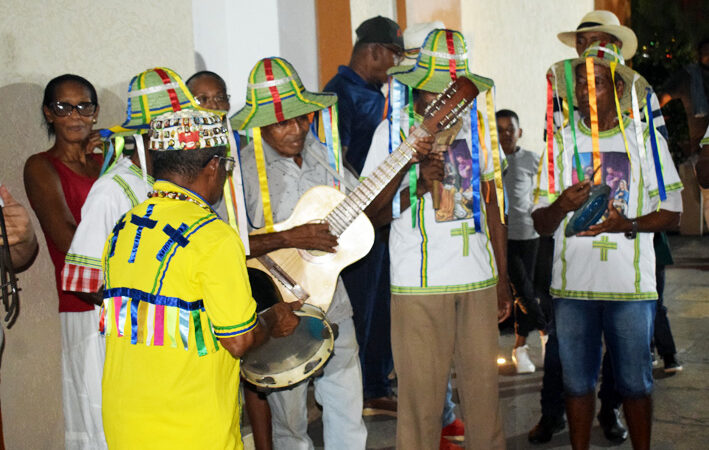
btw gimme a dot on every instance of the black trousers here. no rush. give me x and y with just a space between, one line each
521 262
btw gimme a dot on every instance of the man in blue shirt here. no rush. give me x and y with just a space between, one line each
379 46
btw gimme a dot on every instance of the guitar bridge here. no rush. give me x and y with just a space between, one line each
283 278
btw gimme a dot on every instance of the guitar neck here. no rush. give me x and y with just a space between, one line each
347 211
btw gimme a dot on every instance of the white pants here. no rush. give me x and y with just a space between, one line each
338 390
83 354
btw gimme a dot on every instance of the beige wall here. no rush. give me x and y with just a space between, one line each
107 43
514 43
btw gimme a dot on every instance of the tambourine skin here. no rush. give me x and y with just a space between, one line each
284 362
590 212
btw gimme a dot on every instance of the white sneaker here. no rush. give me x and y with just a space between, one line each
520 356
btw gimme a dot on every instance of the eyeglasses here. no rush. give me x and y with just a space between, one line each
396 50
63 109
204 99
229 163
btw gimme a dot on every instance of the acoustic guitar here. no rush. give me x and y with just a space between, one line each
311 275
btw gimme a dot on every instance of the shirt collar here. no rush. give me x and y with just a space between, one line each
168 186
354 77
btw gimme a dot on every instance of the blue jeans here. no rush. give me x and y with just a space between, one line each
627 328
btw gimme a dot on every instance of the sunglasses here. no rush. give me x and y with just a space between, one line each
204 99
63 109
229 162
396 50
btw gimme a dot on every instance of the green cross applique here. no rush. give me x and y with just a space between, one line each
466 232
605 245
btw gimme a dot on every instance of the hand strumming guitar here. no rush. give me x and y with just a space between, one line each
310 236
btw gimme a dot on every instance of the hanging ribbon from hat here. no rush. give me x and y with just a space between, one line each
234 192
413 176
332 140
593 110
655 150
569 76
495 150
621 125
263 180
475 141
451 51
396 93
551 188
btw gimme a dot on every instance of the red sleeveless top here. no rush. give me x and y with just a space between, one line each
76 188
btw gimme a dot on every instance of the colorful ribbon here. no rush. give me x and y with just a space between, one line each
475 157
413 176
550 138
263 180
569 76
277 104
495 150
655 151
593 109
332 141
620 116
396 92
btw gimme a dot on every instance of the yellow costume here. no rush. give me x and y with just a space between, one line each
175 280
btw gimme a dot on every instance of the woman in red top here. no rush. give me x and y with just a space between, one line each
57 182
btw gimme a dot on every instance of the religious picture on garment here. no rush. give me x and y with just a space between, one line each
615 172
456 188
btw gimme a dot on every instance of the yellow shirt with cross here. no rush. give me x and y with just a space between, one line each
175 282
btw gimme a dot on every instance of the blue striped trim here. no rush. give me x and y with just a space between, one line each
154 299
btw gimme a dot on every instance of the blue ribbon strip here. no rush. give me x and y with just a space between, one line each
475 155
396 94
655 152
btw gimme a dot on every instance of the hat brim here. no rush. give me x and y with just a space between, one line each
623 33
262 113
436 81
625 72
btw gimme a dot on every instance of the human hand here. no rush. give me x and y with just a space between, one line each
17 220
614 223
94 141
574 196
504 301
311 236
423 146
430 170
281 319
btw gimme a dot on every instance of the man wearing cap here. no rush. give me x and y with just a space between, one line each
445 269
604 282
603 26
123 186
178 312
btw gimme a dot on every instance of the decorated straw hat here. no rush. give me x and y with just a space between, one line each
604 54
150 94
606 22
443 52
274 94
187 129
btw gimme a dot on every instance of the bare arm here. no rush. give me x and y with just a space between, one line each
20 234
315 236
44 191
498 238
277 321
547 219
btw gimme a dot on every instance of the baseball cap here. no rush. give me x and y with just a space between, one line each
380 30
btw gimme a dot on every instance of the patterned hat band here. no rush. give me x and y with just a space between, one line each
187 130
153 89
271 83
455 56
601 50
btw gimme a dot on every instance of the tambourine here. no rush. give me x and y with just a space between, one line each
591 211
286 361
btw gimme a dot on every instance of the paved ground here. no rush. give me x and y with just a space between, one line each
681 416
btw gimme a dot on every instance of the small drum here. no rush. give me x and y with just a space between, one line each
590 212
286 361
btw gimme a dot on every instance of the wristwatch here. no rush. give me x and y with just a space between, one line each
632 234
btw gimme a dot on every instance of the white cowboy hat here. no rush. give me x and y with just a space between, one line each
606 22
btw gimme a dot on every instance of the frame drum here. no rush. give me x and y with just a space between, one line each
286 361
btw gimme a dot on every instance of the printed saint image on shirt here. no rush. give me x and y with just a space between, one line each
615 172
456 188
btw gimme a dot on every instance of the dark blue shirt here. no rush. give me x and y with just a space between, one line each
361 107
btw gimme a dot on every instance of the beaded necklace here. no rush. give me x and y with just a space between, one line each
178 196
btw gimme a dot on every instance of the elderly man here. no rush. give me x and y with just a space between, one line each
604 282
448 272
178 312
291 160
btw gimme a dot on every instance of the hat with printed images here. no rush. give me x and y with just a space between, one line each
187 129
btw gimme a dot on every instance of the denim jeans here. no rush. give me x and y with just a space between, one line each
626 326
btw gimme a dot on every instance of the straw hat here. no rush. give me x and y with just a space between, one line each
150 94
415 34
187 129
274 94
606 22
432 70
604 54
